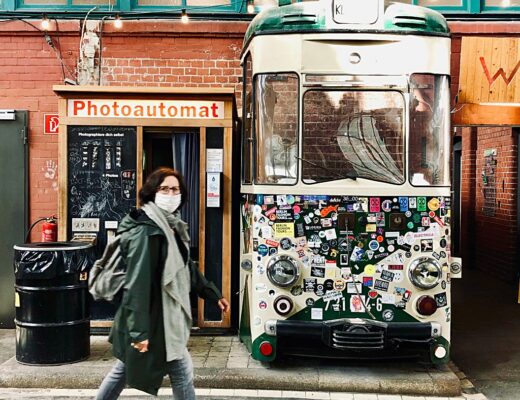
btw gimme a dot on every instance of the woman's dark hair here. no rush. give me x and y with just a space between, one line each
154 180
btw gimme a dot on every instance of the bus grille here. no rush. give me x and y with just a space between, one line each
358 340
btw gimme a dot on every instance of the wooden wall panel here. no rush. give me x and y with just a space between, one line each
490 70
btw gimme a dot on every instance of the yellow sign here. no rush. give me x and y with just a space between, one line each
283 230
489 70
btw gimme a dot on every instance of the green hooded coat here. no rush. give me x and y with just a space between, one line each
140 315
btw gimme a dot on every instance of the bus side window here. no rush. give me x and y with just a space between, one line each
276 128
247 130
429 131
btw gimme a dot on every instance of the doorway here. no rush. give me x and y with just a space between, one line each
13 197
178 148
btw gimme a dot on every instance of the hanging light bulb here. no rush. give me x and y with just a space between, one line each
184 16
45 23
251 7
118 23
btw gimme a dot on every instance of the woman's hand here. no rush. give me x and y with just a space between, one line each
142 347
223 304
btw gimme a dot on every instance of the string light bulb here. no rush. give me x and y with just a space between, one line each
250 7
118 23
45 23
184 16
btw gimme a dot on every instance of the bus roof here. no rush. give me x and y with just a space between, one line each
316 17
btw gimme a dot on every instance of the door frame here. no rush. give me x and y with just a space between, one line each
226 95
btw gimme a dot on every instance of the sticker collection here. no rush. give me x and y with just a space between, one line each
354 254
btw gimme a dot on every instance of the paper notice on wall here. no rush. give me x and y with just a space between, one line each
213 190
214 160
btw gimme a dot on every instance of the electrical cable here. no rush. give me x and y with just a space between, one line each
100 57
59 48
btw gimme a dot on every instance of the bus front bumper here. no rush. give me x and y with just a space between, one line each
352 335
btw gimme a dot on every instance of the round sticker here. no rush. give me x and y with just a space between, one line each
391 248
309 302
290 199
339 285
319 290
380 239
329 284
262 305
263 250
387 205
431 214
257 321
296 209
388 315
416 218
372 294
272 293
296 290
408 213
373 244
410 225
442 243
370 269
381 249
322 234
434 204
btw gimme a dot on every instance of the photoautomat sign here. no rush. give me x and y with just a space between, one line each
176 109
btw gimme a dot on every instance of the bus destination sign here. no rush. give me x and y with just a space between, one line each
355 11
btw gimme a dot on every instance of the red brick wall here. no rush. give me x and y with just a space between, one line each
143 53
495 236
489 225
488 242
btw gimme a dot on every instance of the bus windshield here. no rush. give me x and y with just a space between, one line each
353 133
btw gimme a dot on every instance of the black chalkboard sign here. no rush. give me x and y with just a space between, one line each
102 177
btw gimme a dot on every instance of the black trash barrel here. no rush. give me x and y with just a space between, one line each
51 297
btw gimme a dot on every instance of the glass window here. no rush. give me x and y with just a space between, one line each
187 3
439 3
349 134
247 112
429 130
44 3
276 128
207 3
159 2
502 3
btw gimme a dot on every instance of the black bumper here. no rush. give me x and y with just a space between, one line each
354 337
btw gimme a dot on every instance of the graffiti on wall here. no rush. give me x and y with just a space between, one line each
489 190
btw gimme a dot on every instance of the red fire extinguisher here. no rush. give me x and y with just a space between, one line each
50 230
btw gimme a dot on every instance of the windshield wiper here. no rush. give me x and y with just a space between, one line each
349 175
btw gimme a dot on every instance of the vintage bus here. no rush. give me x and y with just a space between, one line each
345 192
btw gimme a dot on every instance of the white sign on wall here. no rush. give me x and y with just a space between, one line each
172 109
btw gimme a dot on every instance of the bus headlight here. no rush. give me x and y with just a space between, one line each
425 272
283 270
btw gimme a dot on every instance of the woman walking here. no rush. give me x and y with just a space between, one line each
152 326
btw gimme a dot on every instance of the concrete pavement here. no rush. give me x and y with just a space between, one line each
222 362
486 334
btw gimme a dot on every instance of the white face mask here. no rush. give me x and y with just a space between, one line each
168 203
